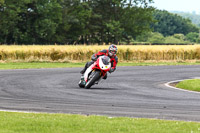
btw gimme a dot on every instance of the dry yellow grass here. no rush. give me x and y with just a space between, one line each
83 53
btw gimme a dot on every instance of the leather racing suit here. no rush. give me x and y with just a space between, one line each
113 60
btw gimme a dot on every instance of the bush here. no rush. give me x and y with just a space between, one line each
172 39
156 38
179 37
143 37
192 37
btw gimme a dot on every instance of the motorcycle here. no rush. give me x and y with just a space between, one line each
95 72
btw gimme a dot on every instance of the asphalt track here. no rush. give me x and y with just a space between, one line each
137 91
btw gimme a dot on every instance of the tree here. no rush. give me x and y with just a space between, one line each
195 18
40 20
1 2
29 21
73 21
118 19
169 24
8 21
136 20
104 20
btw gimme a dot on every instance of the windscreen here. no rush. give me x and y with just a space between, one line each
105 60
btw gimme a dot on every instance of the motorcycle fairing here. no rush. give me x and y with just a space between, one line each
89 69
96 65
103 66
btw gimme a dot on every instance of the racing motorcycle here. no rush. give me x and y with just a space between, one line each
95 72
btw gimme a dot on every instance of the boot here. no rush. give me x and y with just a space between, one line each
84 69
88 64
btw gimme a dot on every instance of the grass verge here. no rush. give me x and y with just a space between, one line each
192 85
11 122
29 65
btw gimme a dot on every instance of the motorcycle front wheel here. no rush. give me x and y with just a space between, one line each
94 77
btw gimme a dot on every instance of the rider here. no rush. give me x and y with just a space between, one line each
111 52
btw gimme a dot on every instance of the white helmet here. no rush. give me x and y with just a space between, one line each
112 50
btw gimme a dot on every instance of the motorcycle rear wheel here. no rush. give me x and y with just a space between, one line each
92 80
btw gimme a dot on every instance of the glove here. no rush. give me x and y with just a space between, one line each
111 70
94 58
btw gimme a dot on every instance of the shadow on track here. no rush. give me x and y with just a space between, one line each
97 88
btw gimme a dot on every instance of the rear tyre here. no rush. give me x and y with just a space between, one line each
92 80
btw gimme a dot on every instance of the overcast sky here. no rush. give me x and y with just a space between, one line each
178 5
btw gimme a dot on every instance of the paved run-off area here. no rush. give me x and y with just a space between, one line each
137 91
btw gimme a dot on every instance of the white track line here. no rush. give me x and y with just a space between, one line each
167 84
17 111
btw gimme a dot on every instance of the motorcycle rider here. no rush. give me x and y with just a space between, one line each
111 52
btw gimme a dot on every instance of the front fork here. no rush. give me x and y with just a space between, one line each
89 70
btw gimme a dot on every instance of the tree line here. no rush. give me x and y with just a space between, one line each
171 28
195 18
168 24
84 21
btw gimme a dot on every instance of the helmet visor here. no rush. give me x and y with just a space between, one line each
112 52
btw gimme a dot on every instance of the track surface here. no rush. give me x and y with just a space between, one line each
131 91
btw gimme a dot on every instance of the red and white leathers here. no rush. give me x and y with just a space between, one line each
113 59
103 64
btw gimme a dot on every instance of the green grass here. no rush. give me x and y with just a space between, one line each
62 123
28 65
193 85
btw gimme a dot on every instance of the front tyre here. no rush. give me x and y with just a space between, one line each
81 85
92 80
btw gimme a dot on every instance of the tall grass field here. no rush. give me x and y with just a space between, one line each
70 53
